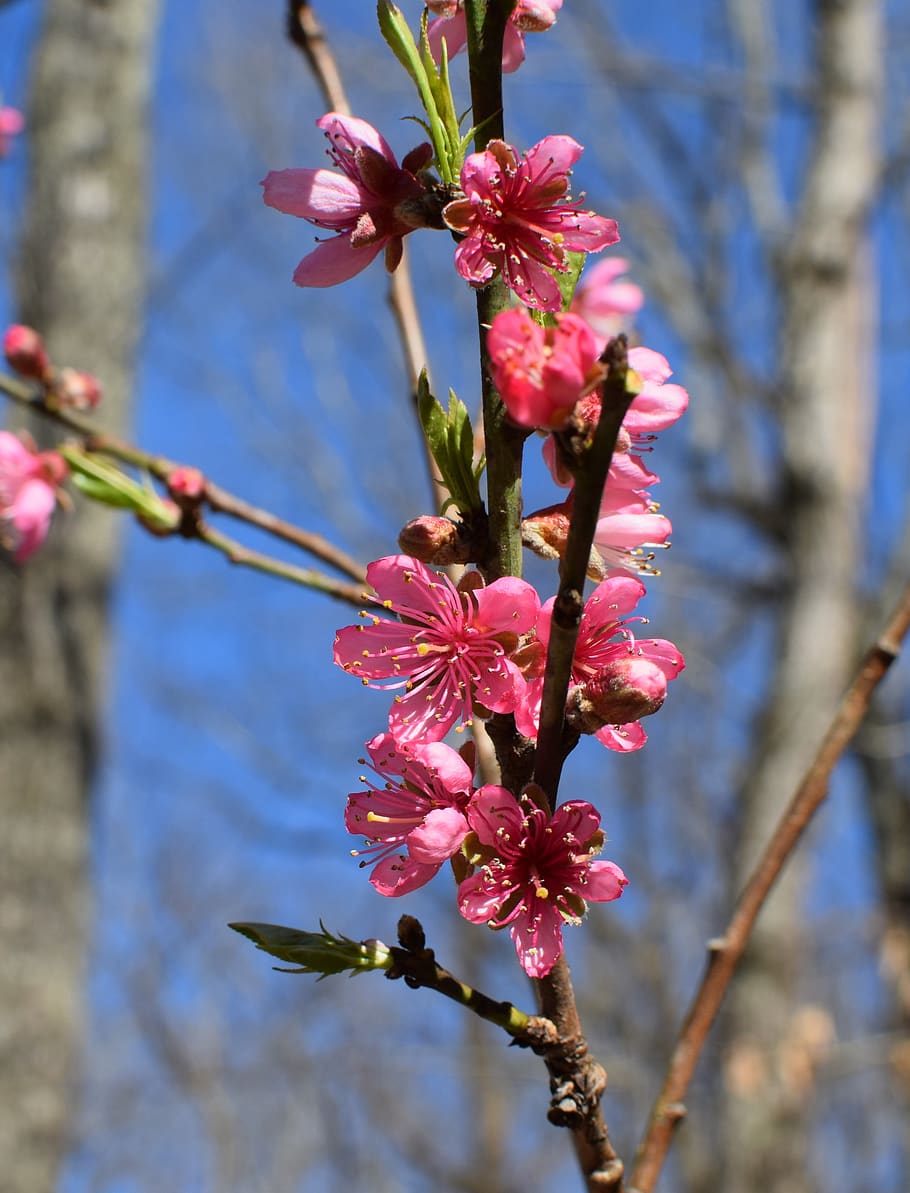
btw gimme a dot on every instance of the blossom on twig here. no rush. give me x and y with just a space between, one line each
542 372
528 16
29 480
616 677
605 301
450 651
536 872
415 823
12 123
371 204
517 219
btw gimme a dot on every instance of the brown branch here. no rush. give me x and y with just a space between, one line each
219 499
724 953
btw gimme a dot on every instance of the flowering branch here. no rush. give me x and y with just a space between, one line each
724 953
218 499
590 477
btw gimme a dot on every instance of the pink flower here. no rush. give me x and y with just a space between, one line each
605 301
415 824
371 205
615 677
515 222
12 123
450 652
628 523
528 16
537 872
542 372
657 407
28 492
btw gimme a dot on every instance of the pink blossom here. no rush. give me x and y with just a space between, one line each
528 16
606 302
450 652
536 872
77 389
542 372
603 682
518 220
657 407
12 123
628 523
371 205
28 492
413 825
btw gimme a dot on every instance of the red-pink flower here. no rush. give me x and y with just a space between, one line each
28 493
416 820
528 16
629 523
450 653
518 220
25 352
371 205
603 682
605 301
12 123
542 372
537 872
657 407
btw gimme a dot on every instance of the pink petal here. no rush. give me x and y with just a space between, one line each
622 738
335 261
454 30
513 49
650 364
439 837
553 155
605 882
632 530
476 902
576 817
508 604
367 650
395 876
30 515
450 770
472 263
663 653
538 939
321 195
351 132
406 582
612 599
492 808
423 716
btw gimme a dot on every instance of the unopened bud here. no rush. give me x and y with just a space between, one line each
54 468
77 390
186 485
620 693
433 540
25 353
162 521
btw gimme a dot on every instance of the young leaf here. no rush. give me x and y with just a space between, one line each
316 952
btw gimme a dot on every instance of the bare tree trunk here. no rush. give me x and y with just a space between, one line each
827 390
80 283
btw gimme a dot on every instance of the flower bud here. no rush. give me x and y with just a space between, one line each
78 390
25 353
433 540
186 485
622 692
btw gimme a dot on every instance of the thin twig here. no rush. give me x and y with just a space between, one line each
724 953
219 499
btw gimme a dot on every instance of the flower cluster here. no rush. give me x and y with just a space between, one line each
449 653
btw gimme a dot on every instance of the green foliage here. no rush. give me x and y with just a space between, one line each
102 481
450 437
316 952
433 87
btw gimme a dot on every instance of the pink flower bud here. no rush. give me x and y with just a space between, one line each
433 540
78 390
186 485
25 353
622 692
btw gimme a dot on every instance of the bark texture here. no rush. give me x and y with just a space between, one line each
827 387
80 280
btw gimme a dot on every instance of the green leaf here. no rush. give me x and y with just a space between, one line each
450 438
102 481
316 952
